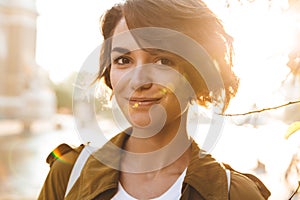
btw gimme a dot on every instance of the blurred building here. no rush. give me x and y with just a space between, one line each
24 91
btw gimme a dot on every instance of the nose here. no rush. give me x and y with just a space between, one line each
141 78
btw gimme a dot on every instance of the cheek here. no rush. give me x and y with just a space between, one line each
183 89
179 103
119 82
115 79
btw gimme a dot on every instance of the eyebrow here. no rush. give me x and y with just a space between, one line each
120 50
156 51
149 50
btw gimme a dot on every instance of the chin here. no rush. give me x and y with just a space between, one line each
147 124
140 121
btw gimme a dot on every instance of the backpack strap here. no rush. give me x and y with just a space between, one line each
228 179
80 162
57 153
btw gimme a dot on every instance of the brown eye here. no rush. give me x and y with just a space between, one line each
122 61
165 61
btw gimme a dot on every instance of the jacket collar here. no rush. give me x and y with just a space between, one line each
101 172
206 175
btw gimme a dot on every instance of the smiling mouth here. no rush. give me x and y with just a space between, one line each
142 102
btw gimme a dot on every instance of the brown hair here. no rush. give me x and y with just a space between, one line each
190 17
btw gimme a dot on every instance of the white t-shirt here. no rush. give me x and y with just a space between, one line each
174 192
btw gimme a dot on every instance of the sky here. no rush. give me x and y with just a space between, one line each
263 36
68 31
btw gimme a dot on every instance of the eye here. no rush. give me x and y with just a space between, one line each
122 60
165 61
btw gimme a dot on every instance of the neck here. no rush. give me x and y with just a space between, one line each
158 151
148 140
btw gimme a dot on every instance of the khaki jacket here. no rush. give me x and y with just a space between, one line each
205 178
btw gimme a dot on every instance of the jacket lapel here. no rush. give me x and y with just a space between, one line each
101 171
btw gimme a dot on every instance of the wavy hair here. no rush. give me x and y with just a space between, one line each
190 17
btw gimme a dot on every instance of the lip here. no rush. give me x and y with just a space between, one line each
143 101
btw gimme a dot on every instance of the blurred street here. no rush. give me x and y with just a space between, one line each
23 165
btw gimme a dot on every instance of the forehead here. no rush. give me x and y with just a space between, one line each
123 38
121 26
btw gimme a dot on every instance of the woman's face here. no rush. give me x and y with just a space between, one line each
148 83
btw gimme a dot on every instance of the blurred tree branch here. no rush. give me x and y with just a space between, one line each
262 110
295 191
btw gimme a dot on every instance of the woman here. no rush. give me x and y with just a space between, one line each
158 57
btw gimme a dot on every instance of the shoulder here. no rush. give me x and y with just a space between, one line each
247 186
242 186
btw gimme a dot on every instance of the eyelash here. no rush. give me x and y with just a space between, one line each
169 61
125 60
121 58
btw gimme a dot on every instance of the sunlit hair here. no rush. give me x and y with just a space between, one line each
190 17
